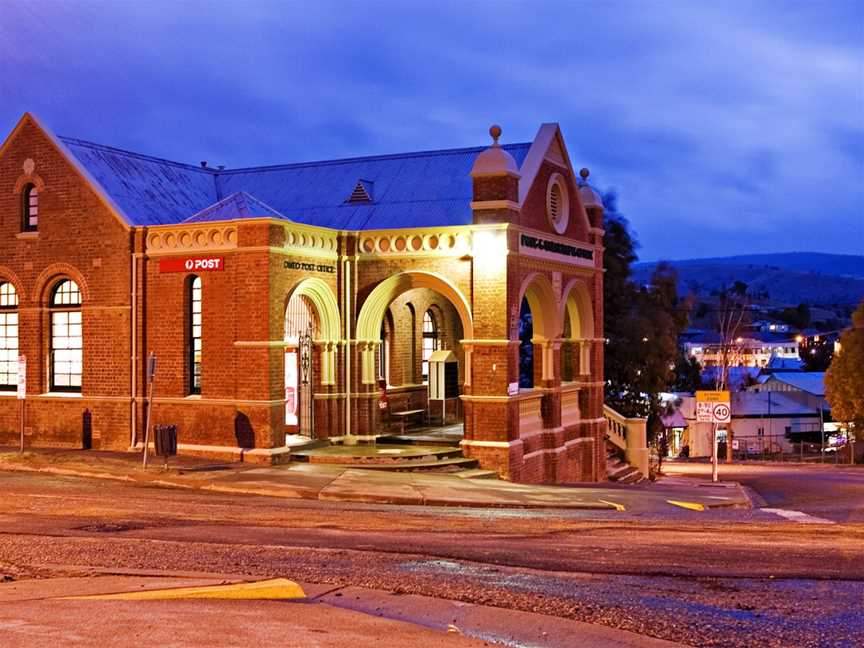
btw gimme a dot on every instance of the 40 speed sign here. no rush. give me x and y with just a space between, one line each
713 407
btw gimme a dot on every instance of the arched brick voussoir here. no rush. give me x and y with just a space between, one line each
47 278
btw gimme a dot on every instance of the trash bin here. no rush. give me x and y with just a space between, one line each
165 439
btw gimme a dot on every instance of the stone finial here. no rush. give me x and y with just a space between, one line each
494 161
584 173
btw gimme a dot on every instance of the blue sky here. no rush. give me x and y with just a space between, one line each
726 127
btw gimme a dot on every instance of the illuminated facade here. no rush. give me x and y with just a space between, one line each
277 300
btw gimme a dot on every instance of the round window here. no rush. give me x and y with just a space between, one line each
557 205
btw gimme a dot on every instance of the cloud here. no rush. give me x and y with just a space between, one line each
726 127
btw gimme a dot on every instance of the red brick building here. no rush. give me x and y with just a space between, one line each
276 299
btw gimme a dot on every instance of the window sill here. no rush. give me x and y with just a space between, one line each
27 235
8 393
193 397
69 394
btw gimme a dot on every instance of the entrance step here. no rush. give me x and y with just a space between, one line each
420 439
477 473
620 471
448 465
377 455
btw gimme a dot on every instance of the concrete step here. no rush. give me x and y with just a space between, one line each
367 454
454 464
420 439
477 473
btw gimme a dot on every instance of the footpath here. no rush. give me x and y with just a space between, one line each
350 484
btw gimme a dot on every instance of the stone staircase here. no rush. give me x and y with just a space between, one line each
395 454
618 470
626 451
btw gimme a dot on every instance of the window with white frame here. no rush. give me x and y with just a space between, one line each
430 341
195 346
8 337
67 341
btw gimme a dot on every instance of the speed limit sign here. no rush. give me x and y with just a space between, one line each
721 413
713 407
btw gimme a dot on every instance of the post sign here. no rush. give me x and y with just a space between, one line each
513 389
192 264
713 407
22 377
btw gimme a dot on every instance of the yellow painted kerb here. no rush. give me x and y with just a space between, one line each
617 507
693 506
274 589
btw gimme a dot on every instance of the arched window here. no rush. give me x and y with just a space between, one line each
67 348
195 335
430 341
30 208
8 337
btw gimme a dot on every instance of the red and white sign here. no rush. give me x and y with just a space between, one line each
22 377
192 264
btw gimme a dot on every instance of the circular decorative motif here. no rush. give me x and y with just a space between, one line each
215 237
433 242
368 246
29 166
417 243
384 244
400 244
557 203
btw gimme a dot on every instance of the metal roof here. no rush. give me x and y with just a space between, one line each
812 382
237 205
768 403
423 189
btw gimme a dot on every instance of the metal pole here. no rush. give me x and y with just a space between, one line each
22 401
822 430
714 453
151 378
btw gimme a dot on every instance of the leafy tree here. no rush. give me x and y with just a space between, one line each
688 374
844 381
642 325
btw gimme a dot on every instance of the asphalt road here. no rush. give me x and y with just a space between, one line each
828 492
709 578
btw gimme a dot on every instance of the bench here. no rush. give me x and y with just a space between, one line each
405 415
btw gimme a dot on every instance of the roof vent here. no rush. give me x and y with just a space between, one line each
362 192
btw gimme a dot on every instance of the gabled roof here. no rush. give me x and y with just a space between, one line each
237 205
149 190
812 382
767 403
423 189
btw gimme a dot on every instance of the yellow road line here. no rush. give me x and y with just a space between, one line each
693 506
618 507
274 589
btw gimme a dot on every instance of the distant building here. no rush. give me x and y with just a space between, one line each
751 349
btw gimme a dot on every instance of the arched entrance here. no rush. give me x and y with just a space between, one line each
536 328
311 329
409 333
578 332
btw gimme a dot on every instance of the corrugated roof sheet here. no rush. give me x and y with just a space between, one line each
812 382
430 188
149 190
237 205
757 404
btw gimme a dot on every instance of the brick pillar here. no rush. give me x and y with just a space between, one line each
492 356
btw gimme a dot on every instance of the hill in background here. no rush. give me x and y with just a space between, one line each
784 279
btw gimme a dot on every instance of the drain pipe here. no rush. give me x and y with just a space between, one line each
347 301
133 414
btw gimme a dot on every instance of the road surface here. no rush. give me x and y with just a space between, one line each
702 578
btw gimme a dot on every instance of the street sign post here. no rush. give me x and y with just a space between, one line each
713 407
151 377
22 394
